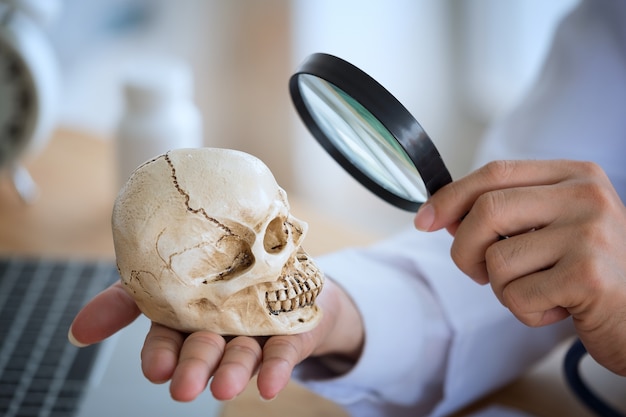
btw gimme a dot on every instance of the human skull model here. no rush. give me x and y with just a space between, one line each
204 241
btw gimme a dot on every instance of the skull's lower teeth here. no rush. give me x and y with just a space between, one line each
295 294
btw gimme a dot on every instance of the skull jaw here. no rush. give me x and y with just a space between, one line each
246 313
229 321
257 322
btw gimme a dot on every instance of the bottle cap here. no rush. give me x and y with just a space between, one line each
151 82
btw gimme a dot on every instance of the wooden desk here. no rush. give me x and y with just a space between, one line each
75 174
71 217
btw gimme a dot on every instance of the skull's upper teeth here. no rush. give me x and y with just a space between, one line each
295 293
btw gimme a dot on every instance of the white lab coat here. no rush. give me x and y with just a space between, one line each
435 340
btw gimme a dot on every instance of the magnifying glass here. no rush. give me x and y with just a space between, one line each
367 131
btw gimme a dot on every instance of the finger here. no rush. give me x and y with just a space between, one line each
509 212
453 201
539 299
159 355
577 284
239 363
280 355
107 313
199 356
524 254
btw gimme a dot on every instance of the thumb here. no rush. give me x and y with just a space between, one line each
108 312
445 209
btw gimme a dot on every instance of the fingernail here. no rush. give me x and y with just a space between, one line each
266 400
74 341
424 218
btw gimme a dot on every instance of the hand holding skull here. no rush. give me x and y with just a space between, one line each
217 216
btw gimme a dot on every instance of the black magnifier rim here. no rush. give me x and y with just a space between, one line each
387 109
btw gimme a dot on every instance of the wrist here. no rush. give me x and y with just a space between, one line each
344 331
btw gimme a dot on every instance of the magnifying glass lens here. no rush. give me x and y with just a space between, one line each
367 131
361 138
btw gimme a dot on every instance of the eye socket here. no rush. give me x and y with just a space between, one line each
208 263
276 236
242 260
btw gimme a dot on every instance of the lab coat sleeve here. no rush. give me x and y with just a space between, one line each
434 340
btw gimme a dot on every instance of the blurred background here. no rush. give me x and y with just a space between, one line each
455 65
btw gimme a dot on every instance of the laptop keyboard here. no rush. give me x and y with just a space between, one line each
41 373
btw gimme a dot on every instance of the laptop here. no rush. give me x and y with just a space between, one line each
42 374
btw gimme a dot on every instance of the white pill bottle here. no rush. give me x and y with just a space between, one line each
159 114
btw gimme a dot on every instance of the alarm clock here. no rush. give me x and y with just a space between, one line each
29 87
